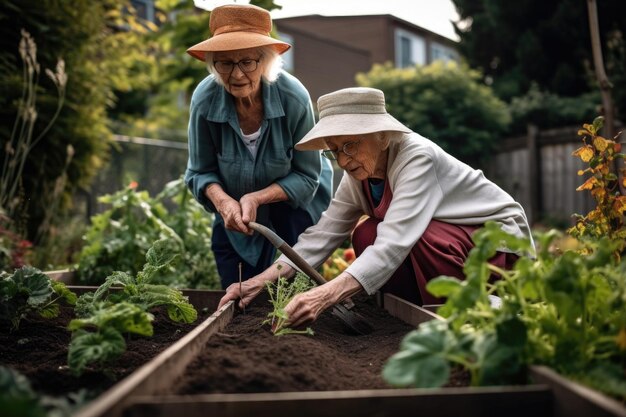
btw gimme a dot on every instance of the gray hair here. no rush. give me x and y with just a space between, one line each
271 69
390 136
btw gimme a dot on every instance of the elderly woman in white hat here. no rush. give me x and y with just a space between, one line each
246 118
422 206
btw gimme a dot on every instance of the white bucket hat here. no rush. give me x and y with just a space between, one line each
350 111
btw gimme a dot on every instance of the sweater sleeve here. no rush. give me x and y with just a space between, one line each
416 196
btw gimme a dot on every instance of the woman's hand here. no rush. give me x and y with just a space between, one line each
249 206
230 210
306 307
227 207
249 290
253 286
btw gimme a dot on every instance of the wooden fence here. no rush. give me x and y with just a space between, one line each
539 171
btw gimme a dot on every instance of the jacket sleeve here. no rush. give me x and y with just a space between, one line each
202 163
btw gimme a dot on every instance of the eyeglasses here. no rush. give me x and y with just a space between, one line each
245 65
349 148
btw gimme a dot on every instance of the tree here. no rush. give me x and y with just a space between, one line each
92 38
545 42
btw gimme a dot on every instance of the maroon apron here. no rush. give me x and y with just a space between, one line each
441 250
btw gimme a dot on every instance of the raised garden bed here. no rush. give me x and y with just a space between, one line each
38 349
261 395
155 389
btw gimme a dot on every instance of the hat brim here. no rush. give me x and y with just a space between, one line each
348 124
233 41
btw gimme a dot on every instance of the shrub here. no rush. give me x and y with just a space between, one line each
444 102
119 237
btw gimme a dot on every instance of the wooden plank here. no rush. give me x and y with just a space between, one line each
467 402
64 275
156 376
406 311
575 400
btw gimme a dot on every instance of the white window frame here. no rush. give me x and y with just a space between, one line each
417 48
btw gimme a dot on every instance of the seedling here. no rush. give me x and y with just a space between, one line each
281 293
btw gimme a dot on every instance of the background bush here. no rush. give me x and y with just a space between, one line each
445 102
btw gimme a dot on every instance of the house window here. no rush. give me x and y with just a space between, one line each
443 53
410 49
288 64
144 9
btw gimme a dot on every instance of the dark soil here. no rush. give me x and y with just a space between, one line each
38 349
247 358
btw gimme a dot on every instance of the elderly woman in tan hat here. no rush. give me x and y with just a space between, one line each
245 119
422 205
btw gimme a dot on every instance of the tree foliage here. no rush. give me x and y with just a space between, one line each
156 101
92 38
542 42
446 103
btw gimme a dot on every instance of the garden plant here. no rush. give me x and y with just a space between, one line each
565 308
104 316
119 237
280 294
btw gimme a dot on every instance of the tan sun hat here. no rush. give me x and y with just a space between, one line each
350 111
238 26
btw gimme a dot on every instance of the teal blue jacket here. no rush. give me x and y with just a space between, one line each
218 155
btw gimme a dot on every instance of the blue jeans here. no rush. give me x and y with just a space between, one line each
287 222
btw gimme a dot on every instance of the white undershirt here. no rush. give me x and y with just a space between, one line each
251 141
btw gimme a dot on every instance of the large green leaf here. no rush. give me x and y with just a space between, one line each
100 347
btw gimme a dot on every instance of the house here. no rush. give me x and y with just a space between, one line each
328 51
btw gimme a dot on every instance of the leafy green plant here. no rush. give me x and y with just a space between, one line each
106 343
280 294
110 313
28 290
17 398
119 237
607 218
567 312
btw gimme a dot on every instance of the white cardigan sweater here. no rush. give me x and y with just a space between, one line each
427 183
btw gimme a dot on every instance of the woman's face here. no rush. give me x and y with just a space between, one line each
364 155
237 82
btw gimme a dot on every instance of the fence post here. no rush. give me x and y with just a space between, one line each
534 173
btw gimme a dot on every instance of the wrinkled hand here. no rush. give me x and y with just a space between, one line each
253 286
230 210
249 206
249 288
306 307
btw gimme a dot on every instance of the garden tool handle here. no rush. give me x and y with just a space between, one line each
288 251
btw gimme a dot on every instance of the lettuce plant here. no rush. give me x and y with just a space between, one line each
28 290
106 315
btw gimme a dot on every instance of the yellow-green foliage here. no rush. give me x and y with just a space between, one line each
607 218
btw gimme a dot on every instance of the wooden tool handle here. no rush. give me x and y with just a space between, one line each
288 251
